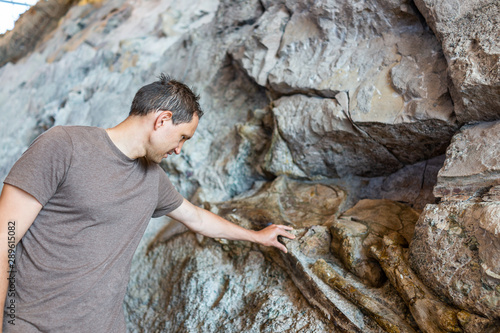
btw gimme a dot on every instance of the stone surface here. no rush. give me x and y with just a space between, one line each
365 225
391 94
456 251
285 201
312 245
31 28
431 314
468 31
182 285
472 165
323 141
385 318
314 90
456 246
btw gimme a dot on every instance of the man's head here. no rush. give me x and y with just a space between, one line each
167 95
168 111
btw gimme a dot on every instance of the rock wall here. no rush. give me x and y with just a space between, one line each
310 107
456 246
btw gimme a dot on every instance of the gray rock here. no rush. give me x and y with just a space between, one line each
456 250
391 70
456 246
182 285
468 31
314 89
202 285
324 142
472 165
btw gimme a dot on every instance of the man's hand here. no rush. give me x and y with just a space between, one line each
269 236
208 224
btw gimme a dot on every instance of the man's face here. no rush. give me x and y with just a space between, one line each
168 138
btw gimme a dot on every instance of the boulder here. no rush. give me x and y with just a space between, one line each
468 32
387 97
456 246
456 251
472 165
365 225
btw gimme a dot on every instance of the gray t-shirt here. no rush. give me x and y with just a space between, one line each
73 264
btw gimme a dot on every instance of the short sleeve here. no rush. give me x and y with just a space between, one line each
168 197
43 166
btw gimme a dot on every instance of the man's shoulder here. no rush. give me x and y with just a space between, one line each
66 130
70 133
75 130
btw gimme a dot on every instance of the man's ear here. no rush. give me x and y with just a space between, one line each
162 118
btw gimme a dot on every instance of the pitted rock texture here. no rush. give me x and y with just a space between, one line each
456 251
391 93
284 201
472 165
468 31
199 287
431 314
365 225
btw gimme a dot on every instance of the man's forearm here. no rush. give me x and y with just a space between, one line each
214 226
207 223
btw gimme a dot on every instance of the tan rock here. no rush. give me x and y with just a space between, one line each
456 251
283 201
363 226
472 165
468 31
431 314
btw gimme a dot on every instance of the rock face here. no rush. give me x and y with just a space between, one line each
430 313
288 201
310 106
456 247
363 99
200 285
187 286
363 93
364 226
468 31
31 28
472 164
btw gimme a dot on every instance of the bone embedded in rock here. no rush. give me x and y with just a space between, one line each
431 314
387 319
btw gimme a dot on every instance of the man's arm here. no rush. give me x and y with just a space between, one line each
18 210
208 224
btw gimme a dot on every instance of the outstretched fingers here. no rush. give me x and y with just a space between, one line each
280 230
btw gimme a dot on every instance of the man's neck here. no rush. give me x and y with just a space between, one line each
130 136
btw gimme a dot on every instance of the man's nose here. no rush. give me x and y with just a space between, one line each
178 149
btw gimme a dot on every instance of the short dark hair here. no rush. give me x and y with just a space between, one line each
167 94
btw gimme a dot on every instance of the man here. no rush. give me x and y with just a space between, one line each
78 202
